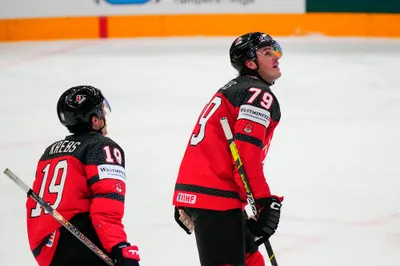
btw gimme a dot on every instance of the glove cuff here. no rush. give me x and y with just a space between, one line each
126 251
267 201
116 251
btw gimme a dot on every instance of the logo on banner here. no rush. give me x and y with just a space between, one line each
127 2
201 2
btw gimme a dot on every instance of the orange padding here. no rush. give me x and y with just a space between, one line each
49 28
330 24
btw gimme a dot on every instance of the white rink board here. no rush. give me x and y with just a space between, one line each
61 8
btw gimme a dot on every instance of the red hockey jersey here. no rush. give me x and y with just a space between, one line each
80 174
208 177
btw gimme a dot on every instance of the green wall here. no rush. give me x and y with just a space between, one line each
361 6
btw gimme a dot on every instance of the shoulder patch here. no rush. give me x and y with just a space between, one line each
111 171
255 114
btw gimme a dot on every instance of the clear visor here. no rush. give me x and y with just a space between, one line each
277 49
106 107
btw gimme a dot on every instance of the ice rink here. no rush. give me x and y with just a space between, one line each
335 154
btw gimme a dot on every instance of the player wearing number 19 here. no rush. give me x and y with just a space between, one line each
83 178
209 194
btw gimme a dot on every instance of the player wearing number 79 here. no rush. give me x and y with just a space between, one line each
83 178
209 195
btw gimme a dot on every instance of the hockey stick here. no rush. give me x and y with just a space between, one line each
246 184
64 222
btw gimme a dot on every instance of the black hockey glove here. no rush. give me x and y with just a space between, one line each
268 217
184 220
124 254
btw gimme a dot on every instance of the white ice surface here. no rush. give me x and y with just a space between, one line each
334 156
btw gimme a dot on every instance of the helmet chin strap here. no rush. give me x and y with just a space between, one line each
254 72
104 125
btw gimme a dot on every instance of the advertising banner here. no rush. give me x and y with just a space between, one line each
73 8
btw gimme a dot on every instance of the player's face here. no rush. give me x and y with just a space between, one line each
268 63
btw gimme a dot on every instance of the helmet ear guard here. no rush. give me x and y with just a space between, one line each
251 54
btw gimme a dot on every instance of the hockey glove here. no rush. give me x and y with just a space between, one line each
268 217
124 254
184 220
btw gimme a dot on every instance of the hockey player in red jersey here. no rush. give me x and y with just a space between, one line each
83 178
209 196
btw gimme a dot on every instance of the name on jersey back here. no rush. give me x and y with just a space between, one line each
64 146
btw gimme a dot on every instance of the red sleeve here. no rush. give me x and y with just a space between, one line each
252 132
106 173
251 152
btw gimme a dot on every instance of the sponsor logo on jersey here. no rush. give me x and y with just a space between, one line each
118 187
248 128
255 114
186 198
111 171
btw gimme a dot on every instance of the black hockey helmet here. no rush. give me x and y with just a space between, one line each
77 106
244 48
